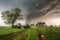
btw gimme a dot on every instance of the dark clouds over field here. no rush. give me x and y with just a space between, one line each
33 9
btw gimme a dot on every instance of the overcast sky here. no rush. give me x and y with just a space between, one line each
6 5
33 9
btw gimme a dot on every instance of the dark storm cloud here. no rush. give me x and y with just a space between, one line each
9 4
39 8
31 8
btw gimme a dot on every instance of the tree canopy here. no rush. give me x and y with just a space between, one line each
11 15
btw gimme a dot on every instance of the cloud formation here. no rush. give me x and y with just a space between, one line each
33 9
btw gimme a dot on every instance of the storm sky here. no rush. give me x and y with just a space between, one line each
33 10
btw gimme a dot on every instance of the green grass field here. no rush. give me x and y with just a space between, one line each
51 33
7 30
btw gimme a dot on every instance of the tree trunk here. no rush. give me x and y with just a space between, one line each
13 25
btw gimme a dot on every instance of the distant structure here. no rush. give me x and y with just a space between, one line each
40 24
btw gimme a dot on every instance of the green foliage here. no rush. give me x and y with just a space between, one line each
32 34
6 30
51 33
21 36
11 15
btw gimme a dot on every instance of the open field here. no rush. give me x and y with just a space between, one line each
8 30
51 33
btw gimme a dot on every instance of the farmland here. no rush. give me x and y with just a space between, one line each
51 33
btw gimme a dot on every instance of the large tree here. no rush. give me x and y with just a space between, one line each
11 15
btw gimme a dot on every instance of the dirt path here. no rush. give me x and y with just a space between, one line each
41 35
24 34
13 35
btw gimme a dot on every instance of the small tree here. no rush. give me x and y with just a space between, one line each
10 16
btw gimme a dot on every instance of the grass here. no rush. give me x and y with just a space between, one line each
7 30
51 33
32 34
21 36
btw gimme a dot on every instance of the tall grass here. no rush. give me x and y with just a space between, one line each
52 33
7 30
32 34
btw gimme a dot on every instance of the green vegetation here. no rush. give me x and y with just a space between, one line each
51 33
21 36
10 16
7 30
32 34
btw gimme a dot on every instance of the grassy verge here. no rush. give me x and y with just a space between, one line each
52 33
6 30
10 34
21 36
32 34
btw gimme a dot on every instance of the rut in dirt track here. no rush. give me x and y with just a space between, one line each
13 35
